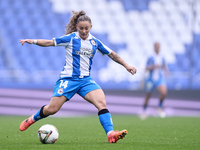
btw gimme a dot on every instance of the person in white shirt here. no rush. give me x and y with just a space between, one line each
80 47
156 69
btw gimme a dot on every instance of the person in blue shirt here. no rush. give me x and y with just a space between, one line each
155 79
80 47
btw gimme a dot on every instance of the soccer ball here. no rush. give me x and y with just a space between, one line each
48 134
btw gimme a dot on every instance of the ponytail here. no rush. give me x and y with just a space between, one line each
75 19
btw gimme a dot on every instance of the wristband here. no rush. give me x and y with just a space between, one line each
34 41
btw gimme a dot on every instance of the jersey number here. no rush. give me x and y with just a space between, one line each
64 84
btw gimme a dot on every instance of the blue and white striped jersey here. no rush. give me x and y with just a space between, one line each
156 74
79 53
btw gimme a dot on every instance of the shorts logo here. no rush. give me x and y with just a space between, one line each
93 42
60 91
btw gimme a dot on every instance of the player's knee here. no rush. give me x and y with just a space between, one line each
100 104
103 103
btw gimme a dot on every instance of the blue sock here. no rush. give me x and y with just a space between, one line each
144 107
105 120
160 103
39 115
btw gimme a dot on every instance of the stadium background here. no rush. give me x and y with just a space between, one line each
129 27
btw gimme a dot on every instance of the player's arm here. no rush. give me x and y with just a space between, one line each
40 42
152 67
115 57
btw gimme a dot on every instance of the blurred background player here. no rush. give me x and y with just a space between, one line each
80 47
155 79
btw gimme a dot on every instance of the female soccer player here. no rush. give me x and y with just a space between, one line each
156 66
80 48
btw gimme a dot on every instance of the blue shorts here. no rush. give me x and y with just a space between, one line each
151 85
68 86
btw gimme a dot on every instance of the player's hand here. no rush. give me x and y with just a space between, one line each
131 69
29 41
157 66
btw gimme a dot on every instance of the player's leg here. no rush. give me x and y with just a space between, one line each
162 89
50 109
146 100
97 98
54 105
149 87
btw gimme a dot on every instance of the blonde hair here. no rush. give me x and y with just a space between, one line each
74 20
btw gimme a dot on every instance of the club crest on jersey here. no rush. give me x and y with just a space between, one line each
93 42
60 91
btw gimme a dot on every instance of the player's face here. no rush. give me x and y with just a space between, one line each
84 28
157 47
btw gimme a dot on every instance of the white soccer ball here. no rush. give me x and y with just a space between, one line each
48 134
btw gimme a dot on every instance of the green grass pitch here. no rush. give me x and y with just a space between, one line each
86 133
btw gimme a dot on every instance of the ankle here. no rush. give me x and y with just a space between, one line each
31 119
108 133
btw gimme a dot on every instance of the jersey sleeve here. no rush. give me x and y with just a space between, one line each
103 49
63 40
